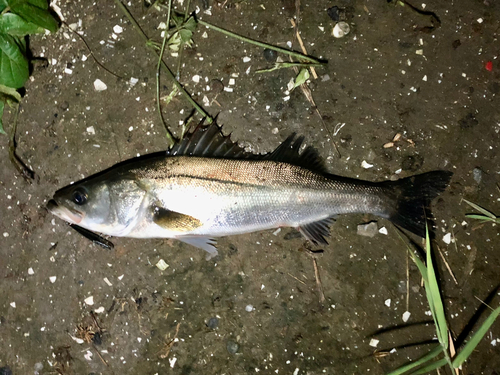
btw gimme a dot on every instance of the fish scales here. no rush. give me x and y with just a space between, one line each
239 196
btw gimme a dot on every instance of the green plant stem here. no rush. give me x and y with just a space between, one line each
261 44
136 26
158 68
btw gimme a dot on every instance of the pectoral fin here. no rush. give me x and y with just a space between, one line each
174 221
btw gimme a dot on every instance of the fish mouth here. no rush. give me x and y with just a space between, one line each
65 213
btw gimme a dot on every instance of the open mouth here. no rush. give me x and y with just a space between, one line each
65 213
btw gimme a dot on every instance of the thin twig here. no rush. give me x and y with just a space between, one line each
169 345
302 47
318 282
99 355
447 265
300 281
91 52
22 168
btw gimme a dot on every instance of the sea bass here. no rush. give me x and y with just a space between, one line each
206 186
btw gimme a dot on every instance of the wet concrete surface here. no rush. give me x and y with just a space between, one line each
256 307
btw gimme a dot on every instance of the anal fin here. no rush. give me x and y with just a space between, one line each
174 221
204 243
317 231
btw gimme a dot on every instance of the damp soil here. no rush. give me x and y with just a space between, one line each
256 307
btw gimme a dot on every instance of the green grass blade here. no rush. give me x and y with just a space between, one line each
410 366
431 367
433 294
480 217
480 209
475 339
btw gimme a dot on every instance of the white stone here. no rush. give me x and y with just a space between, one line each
89 300
162 265
100 85
406 316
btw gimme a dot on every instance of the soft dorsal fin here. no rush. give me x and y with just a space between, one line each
208 141
289 152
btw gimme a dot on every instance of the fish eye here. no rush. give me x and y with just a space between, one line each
79 196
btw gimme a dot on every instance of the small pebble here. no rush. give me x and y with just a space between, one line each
213 323
270 55
232 347
248 308
216 86
477 173
368 230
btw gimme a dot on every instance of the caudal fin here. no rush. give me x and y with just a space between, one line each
413 195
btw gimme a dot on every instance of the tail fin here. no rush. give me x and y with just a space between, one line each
413 195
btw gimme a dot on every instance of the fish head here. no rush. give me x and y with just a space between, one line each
87 204
111 202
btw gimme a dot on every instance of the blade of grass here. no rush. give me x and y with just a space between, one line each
435 296
426 358
482 210
483 218
431 367
475 339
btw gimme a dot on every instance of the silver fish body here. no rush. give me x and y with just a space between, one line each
196 198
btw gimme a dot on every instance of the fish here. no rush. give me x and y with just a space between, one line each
207 186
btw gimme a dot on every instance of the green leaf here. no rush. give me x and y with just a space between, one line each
190 24
15 25
301 78
475 339
426 358
43 4
186 36
2 105
34 14
14 68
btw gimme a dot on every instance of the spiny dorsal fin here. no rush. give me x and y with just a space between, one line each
208 141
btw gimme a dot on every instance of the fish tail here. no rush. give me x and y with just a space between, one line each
412 196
